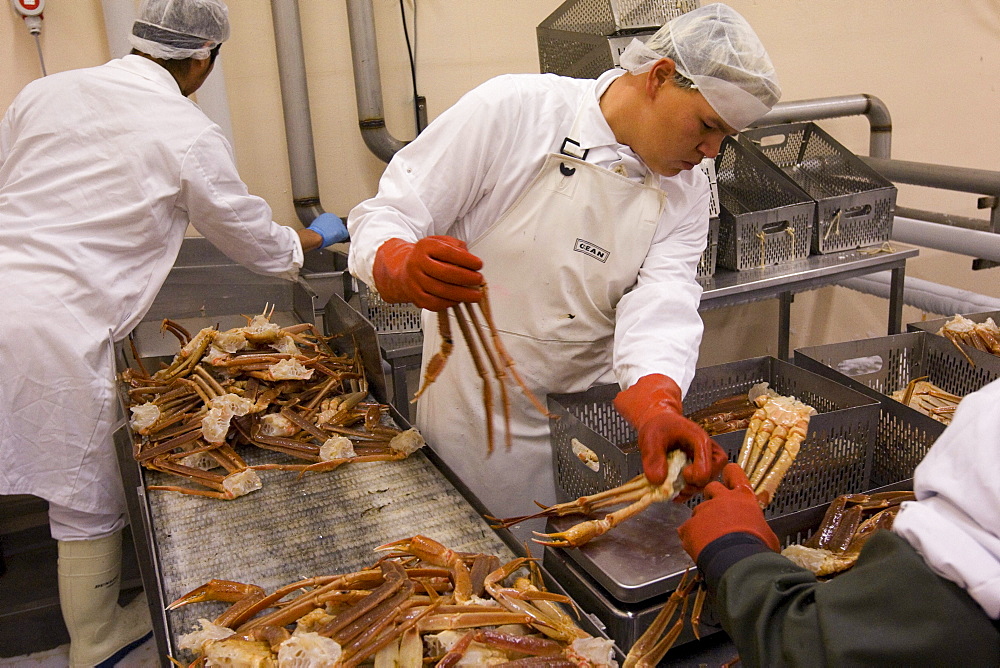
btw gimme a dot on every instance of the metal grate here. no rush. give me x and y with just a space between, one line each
834 459
855 204
880 366
765 218
387 318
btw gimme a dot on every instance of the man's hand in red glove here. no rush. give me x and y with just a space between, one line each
729 507
434 273
653 406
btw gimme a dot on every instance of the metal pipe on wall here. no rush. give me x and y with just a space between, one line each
880 142
368 82
974 243
961 179
295 107
924 295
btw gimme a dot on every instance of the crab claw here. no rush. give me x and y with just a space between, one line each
576 535
218 590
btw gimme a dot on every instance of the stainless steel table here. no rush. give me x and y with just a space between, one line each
728 288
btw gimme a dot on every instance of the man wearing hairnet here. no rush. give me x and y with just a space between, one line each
579 204
101 171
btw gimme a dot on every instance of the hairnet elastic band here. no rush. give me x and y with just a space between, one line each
638 58
169 37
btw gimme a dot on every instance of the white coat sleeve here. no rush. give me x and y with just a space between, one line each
224 212
434 181
658 328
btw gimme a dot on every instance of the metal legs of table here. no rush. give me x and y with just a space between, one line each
896 299
400 367
785 300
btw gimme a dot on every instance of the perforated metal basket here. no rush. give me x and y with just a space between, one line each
834 459
855 203
709 257
706 266
385 317
880 366
584 38
765 218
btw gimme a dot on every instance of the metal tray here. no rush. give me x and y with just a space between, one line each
834 458
626 621
880 366
293 527
854 203
765 218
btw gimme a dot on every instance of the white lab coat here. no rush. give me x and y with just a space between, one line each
101 171
471 166
955 522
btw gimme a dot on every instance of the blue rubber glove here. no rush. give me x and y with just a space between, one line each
330 227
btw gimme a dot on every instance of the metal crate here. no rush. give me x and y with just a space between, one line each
706 265
584 38
709 256
934 326
834 458
765 218
880 366
854 203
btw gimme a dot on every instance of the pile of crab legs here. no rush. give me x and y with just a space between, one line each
772 441
277 388
490 357
421 602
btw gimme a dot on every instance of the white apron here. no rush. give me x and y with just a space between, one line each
556 263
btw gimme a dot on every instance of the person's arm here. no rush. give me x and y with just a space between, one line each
657 334
309 239
431 184
889 609
239 224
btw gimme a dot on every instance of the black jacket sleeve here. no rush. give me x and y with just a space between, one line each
890 609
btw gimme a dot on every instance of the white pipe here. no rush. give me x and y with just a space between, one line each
924 295
974 243
119 15
212 99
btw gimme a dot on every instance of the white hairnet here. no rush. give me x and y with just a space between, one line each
716 48
178 29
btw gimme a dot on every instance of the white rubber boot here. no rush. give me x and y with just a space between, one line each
89 581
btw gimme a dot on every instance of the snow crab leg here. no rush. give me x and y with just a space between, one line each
638 493
776 432
490 357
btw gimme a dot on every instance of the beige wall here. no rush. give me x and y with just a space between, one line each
936 65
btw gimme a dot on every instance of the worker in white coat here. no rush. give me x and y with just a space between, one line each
101 171
579 204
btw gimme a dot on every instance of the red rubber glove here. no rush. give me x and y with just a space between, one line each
435 273
653 406
729 507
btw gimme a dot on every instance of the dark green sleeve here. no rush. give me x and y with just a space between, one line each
890 609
